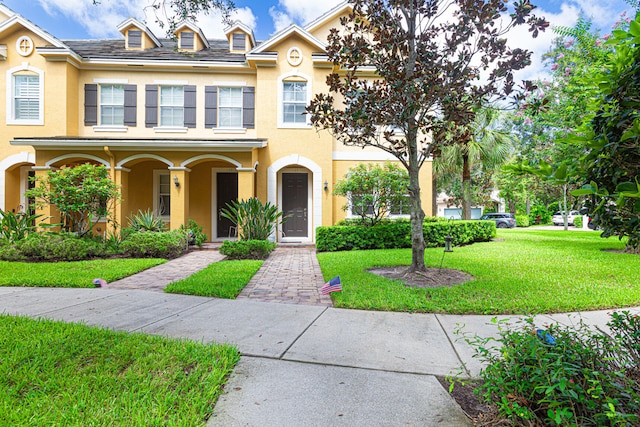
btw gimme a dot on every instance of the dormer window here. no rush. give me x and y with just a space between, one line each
238 41
135 38
186 40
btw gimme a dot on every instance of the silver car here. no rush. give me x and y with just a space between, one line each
502 219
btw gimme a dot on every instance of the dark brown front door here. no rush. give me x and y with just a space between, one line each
226 191
294 204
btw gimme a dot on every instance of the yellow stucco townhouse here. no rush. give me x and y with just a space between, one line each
184 125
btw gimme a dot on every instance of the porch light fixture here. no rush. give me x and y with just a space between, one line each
175 181
326 186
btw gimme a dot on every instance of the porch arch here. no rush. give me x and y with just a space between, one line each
123 162
76 155
316 171
5 164
187 162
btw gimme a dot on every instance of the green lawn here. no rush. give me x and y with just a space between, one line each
56 374
77 274
224 279
523 271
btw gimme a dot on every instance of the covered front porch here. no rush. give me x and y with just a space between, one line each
177 180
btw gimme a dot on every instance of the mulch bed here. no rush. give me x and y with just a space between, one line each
433 278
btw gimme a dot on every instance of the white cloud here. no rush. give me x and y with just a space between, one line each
281 19
301 12
101 20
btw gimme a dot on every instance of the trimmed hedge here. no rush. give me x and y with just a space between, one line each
247 249
391 235
522 220
53 247
149 244
577 221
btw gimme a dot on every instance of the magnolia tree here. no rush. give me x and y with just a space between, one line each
434 63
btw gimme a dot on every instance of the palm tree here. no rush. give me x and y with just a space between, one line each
487 147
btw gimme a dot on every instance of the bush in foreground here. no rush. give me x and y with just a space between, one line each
247 249
162 244
570 376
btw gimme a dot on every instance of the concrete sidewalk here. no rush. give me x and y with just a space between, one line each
302 365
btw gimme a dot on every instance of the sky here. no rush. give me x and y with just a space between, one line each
81 19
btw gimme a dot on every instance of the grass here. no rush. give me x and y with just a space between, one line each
523 271
224 279
58 374
76 274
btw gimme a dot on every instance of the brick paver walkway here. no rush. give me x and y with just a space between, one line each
157 278
290 275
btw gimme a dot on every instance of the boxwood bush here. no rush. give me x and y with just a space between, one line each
397 234
247 249
53 247
522 221
162 244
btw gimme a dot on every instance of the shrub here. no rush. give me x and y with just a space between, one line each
146 221
397 234
196 236
384 235
577 221
461 232
16 226
538 214
254 220
55 247
162 244
564 375
522 220
247 249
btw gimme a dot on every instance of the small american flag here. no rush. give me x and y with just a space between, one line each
100 283
332 285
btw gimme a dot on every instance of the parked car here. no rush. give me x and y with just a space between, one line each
558 219
502 219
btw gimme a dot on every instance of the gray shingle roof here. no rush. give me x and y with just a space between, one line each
115 49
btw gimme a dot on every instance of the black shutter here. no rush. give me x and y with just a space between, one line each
190 106
90 105
151 106
210 107
248 107
130 105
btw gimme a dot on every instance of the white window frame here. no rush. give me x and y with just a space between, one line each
234 107
156 192
281 80
11 119
171 106
101 105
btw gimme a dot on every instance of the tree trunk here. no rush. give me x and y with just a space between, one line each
417 216
564 207
466 187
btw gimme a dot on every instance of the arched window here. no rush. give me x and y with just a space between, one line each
25 96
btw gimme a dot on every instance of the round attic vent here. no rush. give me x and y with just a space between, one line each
24 45
294 56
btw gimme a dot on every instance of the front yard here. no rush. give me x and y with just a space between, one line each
522 271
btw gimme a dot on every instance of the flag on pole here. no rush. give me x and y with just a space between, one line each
100 283
332 285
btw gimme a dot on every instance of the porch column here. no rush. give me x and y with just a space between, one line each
49 213
246 187
179 197
121 209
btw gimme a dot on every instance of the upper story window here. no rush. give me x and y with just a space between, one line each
230 107
134 38
172 106
186 40
25 96
112 104
294 102
238 41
